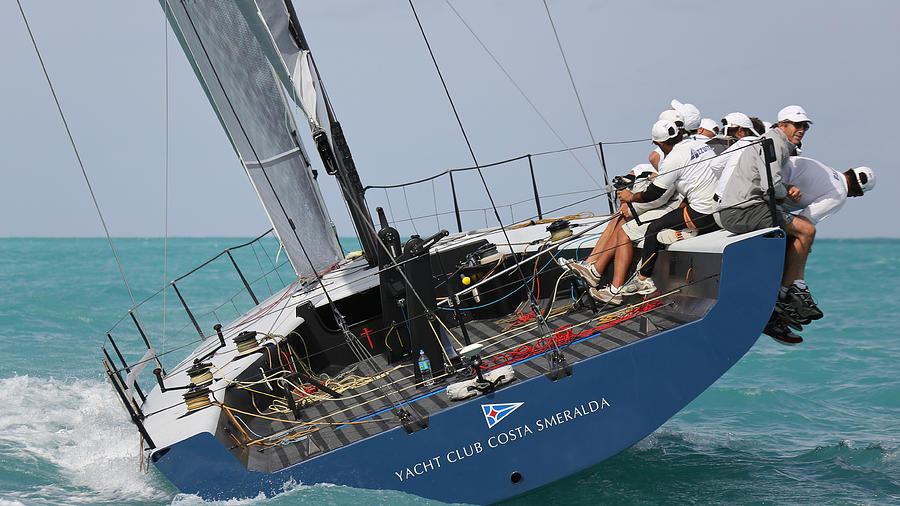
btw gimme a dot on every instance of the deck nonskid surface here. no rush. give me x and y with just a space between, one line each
369 410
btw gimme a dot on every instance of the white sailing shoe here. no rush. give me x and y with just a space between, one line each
580 270
607 294
638 286
669 236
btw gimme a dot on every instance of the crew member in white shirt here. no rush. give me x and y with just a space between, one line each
630 225
739 126
656 156
691 116
684 170
816 191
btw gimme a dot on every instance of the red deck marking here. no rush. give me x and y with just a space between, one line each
365 332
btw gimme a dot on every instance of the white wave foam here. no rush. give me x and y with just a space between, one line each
193 500
294 494
79 427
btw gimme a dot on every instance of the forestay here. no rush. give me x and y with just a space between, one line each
241 69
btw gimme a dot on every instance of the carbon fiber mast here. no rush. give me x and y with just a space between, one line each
336 156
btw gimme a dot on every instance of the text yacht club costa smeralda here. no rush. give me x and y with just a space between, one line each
502 438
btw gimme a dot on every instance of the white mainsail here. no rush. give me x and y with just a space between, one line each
242 70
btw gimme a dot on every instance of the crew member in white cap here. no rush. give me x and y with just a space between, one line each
794 122
691 116
657 155
744 207
685 170
816 191
708 128
673 116
736 125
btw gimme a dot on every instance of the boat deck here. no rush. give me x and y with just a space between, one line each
369 409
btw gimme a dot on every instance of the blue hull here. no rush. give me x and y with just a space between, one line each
611 401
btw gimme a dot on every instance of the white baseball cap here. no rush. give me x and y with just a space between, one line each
708 124
690 113
793 113
865 177
664 130
673 116
737 119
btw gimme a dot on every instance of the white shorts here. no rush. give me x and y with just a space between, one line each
636 232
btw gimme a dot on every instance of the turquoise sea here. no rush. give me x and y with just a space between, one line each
818 423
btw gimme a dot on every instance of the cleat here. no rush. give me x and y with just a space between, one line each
607 295
580 270
778 330
638 286
669 236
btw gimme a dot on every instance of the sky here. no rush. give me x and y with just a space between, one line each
112 63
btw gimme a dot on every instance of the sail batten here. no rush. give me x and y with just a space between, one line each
244 75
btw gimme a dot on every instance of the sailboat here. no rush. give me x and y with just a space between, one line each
462 367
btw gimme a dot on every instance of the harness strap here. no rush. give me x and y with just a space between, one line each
687 219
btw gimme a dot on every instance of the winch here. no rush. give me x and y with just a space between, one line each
559 230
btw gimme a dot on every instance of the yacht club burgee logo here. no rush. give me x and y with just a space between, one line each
493 413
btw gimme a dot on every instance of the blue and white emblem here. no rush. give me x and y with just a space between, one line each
493 413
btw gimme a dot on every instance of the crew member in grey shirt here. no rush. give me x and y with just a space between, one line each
743 207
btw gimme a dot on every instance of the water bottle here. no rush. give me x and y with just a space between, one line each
425 369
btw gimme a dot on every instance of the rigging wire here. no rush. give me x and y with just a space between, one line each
580 104
166 206
409 212
387 199
522 92
487 190
78 157
437 216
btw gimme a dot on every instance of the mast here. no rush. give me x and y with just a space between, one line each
335 155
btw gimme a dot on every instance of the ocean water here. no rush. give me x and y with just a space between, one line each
816 423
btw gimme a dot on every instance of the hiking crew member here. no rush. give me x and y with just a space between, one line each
743 207
686 170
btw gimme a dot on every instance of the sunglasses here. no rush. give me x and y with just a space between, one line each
803 125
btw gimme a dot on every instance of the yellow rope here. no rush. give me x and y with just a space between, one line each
581 215
438 339
393 328
458 343
230 411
